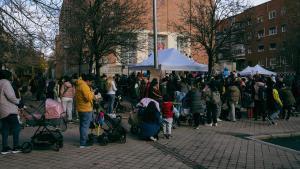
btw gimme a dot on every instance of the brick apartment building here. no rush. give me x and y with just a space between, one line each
264 34
168 12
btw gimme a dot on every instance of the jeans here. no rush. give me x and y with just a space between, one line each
10 122
167 125
232 106
259 109
67 104
274 115
111 101
211 113
84 123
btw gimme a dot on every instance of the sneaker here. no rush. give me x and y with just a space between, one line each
167 136
112 115
16 150
153 139
88 144
215 124
208 125
6 150
219 120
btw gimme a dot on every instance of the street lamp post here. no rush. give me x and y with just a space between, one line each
155 35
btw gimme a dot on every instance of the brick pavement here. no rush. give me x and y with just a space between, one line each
225 146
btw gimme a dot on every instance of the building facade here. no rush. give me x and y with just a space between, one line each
168 14
264 37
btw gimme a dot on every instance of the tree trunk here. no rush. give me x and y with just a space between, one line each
80 63
210 64
98 65
90 64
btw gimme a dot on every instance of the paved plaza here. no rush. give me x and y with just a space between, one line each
229 145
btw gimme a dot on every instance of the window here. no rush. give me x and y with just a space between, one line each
260 19
272 31
181 44
273 46
273 61
261 34
129 54
161 43
261 48
283 28
272 14
249 51
283 11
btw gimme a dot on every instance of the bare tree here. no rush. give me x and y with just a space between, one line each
109 26
200 23
30 19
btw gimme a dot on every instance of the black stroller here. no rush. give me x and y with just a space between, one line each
50 125
112 129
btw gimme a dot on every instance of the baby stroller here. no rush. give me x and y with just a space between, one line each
185 114
112 129
50 125
135 117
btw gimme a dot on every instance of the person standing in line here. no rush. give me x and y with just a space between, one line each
111 94
9 113
234 96
84 96
167 113
288 101
197 105
259 99
154 92
274 103
67 92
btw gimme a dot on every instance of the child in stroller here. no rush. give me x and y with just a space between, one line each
145 121
111 127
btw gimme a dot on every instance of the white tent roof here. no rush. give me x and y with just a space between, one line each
256 70
171 59
247 71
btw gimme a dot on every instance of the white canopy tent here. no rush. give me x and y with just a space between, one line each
256 70
170 59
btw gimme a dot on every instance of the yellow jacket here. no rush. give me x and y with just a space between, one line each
84 97
276 97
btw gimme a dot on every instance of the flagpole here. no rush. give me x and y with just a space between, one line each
155 35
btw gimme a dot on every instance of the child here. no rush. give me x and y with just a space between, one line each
167 113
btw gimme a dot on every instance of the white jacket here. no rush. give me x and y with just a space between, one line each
8 99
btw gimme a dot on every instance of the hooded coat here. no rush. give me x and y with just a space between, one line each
84 97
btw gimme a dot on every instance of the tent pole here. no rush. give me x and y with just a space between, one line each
155 35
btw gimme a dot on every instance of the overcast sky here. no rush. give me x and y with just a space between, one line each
257 2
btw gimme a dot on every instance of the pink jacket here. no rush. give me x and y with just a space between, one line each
67 90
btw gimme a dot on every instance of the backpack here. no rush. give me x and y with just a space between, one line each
215 97
262 94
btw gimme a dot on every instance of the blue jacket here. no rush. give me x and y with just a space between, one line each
149 129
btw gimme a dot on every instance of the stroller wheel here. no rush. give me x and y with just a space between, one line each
26 147
123 139
61 144
190 121
62 125
134 129
56 146
103 140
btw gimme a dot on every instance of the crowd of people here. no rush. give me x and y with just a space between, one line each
208 100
